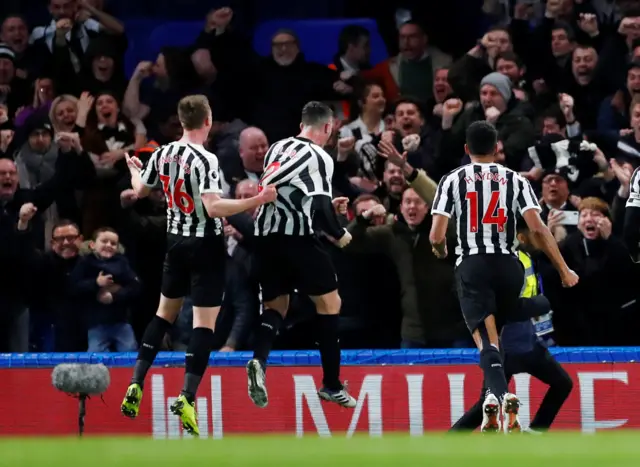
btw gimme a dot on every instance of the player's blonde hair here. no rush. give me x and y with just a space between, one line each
193 111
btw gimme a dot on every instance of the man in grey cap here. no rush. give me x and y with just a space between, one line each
497 105
495 94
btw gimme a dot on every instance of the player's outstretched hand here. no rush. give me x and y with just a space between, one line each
268 194
569 279
340 204
344 240
133 162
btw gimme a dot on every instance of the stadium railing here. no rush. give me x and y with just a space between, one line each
409 391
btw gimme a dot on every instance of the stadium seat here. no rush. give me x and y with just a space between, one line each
138 31
318 37
177 33
147 37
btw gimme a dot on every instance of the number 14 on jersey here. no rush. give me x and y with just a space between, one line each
493 215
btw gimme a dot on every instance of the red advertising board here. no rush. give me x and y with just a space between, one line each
410 399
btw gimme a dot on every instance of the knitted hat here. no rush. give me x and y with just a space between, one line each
38 122
6 52
500 82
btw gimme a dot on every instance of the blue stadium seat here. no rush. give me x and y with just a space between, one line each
318 37
147 37
138 31
177 33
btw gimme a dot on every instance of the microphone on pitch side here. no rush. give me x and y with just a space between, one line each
81 381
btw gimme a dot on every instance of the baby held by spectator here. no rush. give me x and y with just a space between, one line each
107 285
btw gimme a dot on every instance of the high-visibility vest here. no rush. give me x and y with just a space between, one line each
543 324
530 286
345 103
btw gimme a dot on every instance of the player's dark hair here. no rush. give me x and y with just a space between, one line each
316 114
65 223
193 111
102 230
521 225
350 35
482 138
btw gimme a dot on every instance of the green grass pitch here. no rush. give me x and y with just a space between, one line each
619 449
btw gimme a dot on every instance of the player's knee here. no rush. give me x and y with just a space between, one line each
279 304
169 308
328 304
205 317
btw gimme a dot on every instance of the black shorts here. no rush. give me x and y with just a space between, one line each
195 266
287 263
489 285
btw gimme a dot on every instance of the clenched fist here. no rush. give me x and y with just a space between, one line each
340 204
491 114
411 142
344 240
377 211
27 211
268 194
451 108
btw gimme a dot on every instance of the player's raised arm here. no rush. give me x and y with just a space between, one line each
540 233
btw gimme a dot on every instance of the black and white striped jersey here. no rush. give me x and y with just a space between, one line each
485 199
300 170
634 190
185 171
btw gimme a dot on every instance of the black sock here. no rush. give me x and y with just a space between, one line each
329 344
493 369
196 360
270 323
149 348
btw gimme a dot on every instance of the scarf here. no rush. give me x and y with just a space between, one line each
33 170
36 168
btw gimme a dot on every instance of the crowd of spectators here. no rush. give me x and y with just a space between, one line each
81 257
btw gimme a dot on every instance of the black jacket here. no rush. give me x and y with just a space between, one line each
84 286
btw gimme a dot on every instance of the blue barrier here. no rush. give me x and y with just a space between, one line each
306 357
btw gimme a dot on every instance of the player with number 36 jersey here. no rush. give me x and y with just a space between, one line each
186 172
196 252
